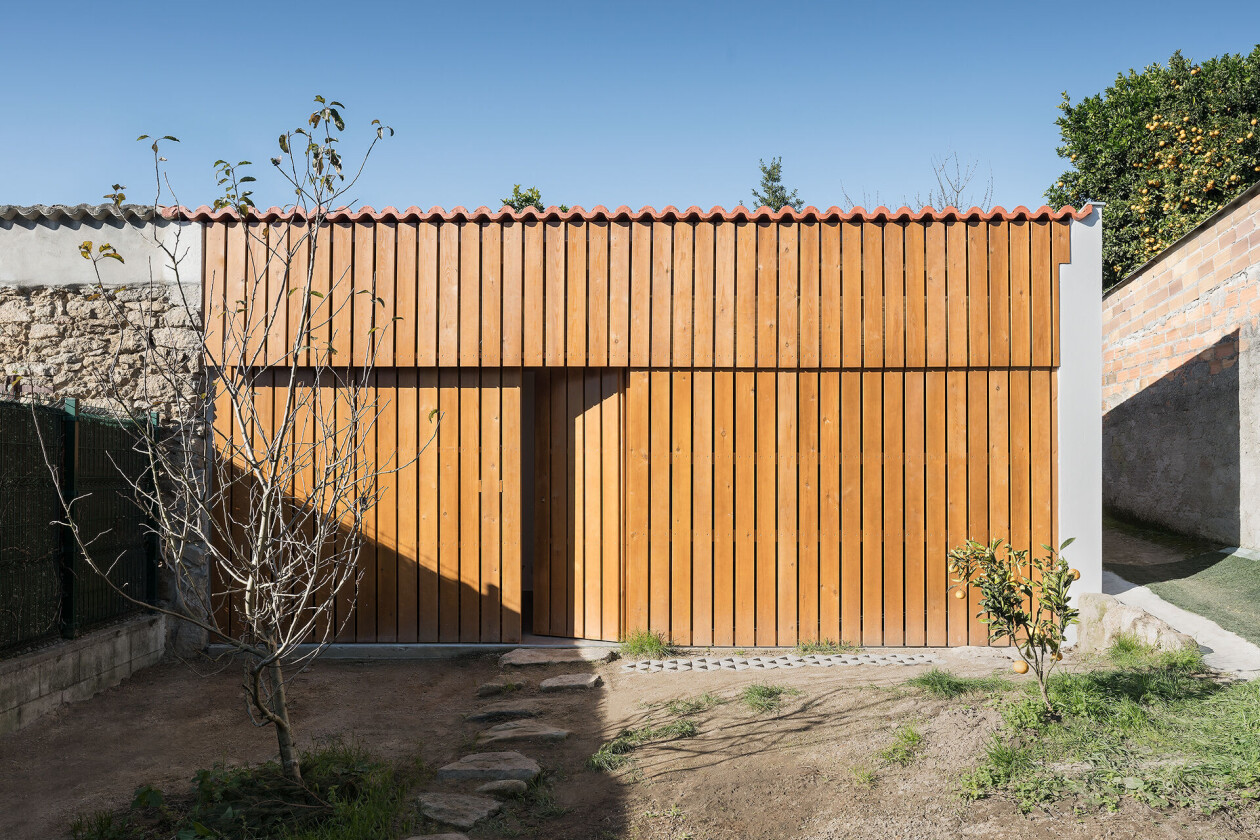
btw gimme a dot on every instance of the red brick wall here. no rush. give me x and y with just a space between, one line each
1183 304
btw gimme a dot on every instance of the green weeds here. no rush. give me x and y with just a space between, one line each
945 684
905 746
642 643
616 753
763 698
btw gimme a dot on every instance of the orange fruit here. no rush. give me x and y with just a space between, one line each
1058 657
959 594
1021 667
1075 573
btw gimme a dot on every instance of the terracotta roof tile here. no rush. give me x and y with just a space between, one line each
624 213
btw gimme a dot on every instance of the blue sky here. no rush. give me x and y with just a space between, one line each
620 103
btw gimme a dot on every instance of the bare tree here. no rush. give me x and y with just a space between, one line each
955 184
260 468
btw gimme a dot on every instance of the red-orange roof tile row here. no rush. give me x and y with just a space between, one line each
624 213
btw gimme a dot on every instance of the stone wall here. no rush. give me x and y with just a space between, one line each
121 340
1181 383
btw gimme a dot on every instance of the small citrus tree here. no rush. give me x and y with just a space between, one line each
1022 597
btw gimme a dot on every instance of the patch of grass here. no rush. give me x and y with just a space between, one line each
1153 727
345 795
864 777
764 698
904 748
693 705
939 682
642 643
616 753
825 647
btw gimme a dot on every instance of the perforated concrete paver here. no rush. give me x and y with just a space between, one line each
768 663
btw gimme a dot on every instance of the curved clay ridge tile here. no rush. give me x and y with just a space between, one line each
624 213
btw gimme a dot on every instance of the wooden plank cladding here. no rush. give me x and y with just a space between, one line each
776 508
748 292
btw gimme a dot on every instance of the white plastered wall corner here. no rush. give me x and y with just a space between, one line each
1080 401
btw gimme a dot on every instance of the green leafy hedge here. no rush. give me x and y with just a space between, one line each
1165 148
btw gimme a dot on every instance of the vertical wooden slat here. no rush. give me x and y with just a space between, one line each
745 294
561 444
724 295
999 295
470 280
533 294
510 529
1021 290
683 309
830 515
977 482
638 431
492 564
383 300
956 490
662 293
1040 293
427 293
872 506
575 513
850 507
513 282
810 337
1041 446
299 255
448 506
789 294
956 284
978 314
448 294
745 507
852 326
702 497
787 429
895 295
597 298
574 303
807 505
214 290
702 338
469 506
404 305
724 530
873 295
611 490
641 248
428 534
385 455
915 473
830 289
936 502
541 603
937 305
766 508
916 296
366 627
999 455
767 294
593 490
553 292
362 302
894 503
1060 253
680 506
658 562
236 288
276 318
1021 463
491 337
619 294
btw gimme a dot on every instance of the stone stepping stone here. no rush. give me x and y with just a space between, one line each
491 766
504 788
450 835
570 682
497 687
521 730
462 810
502 712
556 656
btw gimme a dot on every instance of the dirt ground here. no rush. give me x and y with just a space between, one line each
789 774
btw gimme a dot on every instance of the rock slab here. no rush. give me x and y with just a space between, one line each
522 730
556 656
571 682
504 788
1104 619
491 766
447 836
462 810
502 712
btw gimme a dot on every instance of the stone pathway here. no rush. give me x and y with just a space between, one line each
768 663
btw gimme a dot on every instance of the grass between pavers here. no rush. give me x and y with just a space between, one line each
824 647
346 795
645 644
939 682
1153 727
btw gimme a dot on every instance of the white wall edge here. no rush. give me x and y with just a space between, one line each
1080 401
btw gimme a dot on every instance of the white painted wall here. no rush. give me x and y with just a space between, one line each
1080 401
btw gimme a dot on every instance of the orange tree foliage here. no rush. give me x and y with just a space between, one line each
1165 148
